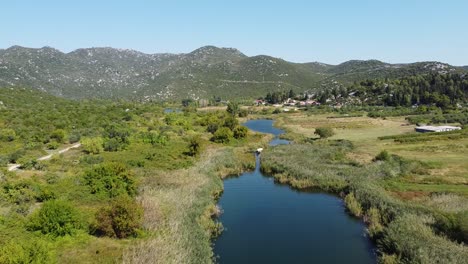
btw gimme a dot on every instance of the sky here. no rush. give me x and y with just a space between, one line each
329 31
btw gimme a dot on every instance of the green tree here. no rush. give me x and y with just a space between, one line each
120 219
240 132
57 218
291 94
222 135
92 145
233 108
231 122
324 132
195 146
58 135
110 179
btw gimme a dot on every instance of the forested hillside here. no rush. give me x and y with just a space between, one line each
206 72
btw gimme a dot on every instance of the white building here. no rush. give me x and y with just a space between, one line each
424 129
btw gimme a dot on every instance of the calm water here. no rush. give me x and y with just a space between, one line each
271 223
171 110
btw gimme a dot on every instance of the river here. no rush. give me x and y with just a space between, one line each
267 222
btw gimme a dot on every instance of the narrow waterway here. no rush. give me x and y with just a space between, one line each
267 222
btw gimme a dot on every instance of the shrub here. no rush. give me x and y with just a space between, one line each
383 156
19 192
92 145
53 145
223 135
240 132
353 205
233 108
7 134
120 219
195 145
29 250
324 132
56 218
110 179
15 156
243 113
231 122
212 127
74 137
58 135
112 144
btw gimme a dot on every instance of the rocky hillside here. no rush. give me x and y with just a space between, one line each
206 72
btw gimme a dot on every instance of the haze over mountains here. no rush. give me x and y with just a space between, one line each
206 72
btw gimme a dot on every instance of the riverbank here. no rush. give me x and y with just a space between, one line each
285 224
180 206
405 230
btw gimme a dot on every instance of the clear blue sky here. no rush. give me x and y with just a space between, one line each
330 31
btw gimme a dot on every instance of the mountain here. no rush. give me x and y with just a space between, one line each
203 73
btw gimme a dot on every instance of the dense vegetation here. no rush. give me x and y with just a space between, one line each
403 232
94 203
442 90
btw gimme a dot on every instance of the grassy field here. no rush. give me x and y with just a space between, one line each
447 159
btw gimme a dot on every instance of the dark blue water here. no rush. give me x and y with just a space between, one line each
271 223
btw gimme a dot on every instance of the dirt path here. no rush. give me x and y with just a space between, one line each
14 167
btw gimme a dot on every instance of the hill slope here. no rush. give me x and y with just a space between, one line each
205 72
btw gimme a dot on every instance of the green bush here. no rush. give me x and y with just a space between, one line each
240 132
120 219
7 134
195 146
113 144
92 145
212 127
58 135
15 156
29 250
233 108
243 113
74 137
56 218
53 145
231 122
110 179
383 156
324 132
222 135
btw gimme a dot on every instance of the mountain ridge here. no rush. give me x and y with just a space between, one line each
208 71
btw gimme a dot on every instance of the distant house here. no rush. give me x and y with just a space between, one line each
425 129
259 102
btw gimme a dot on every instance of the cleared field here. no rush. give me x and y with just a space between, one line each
447 160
